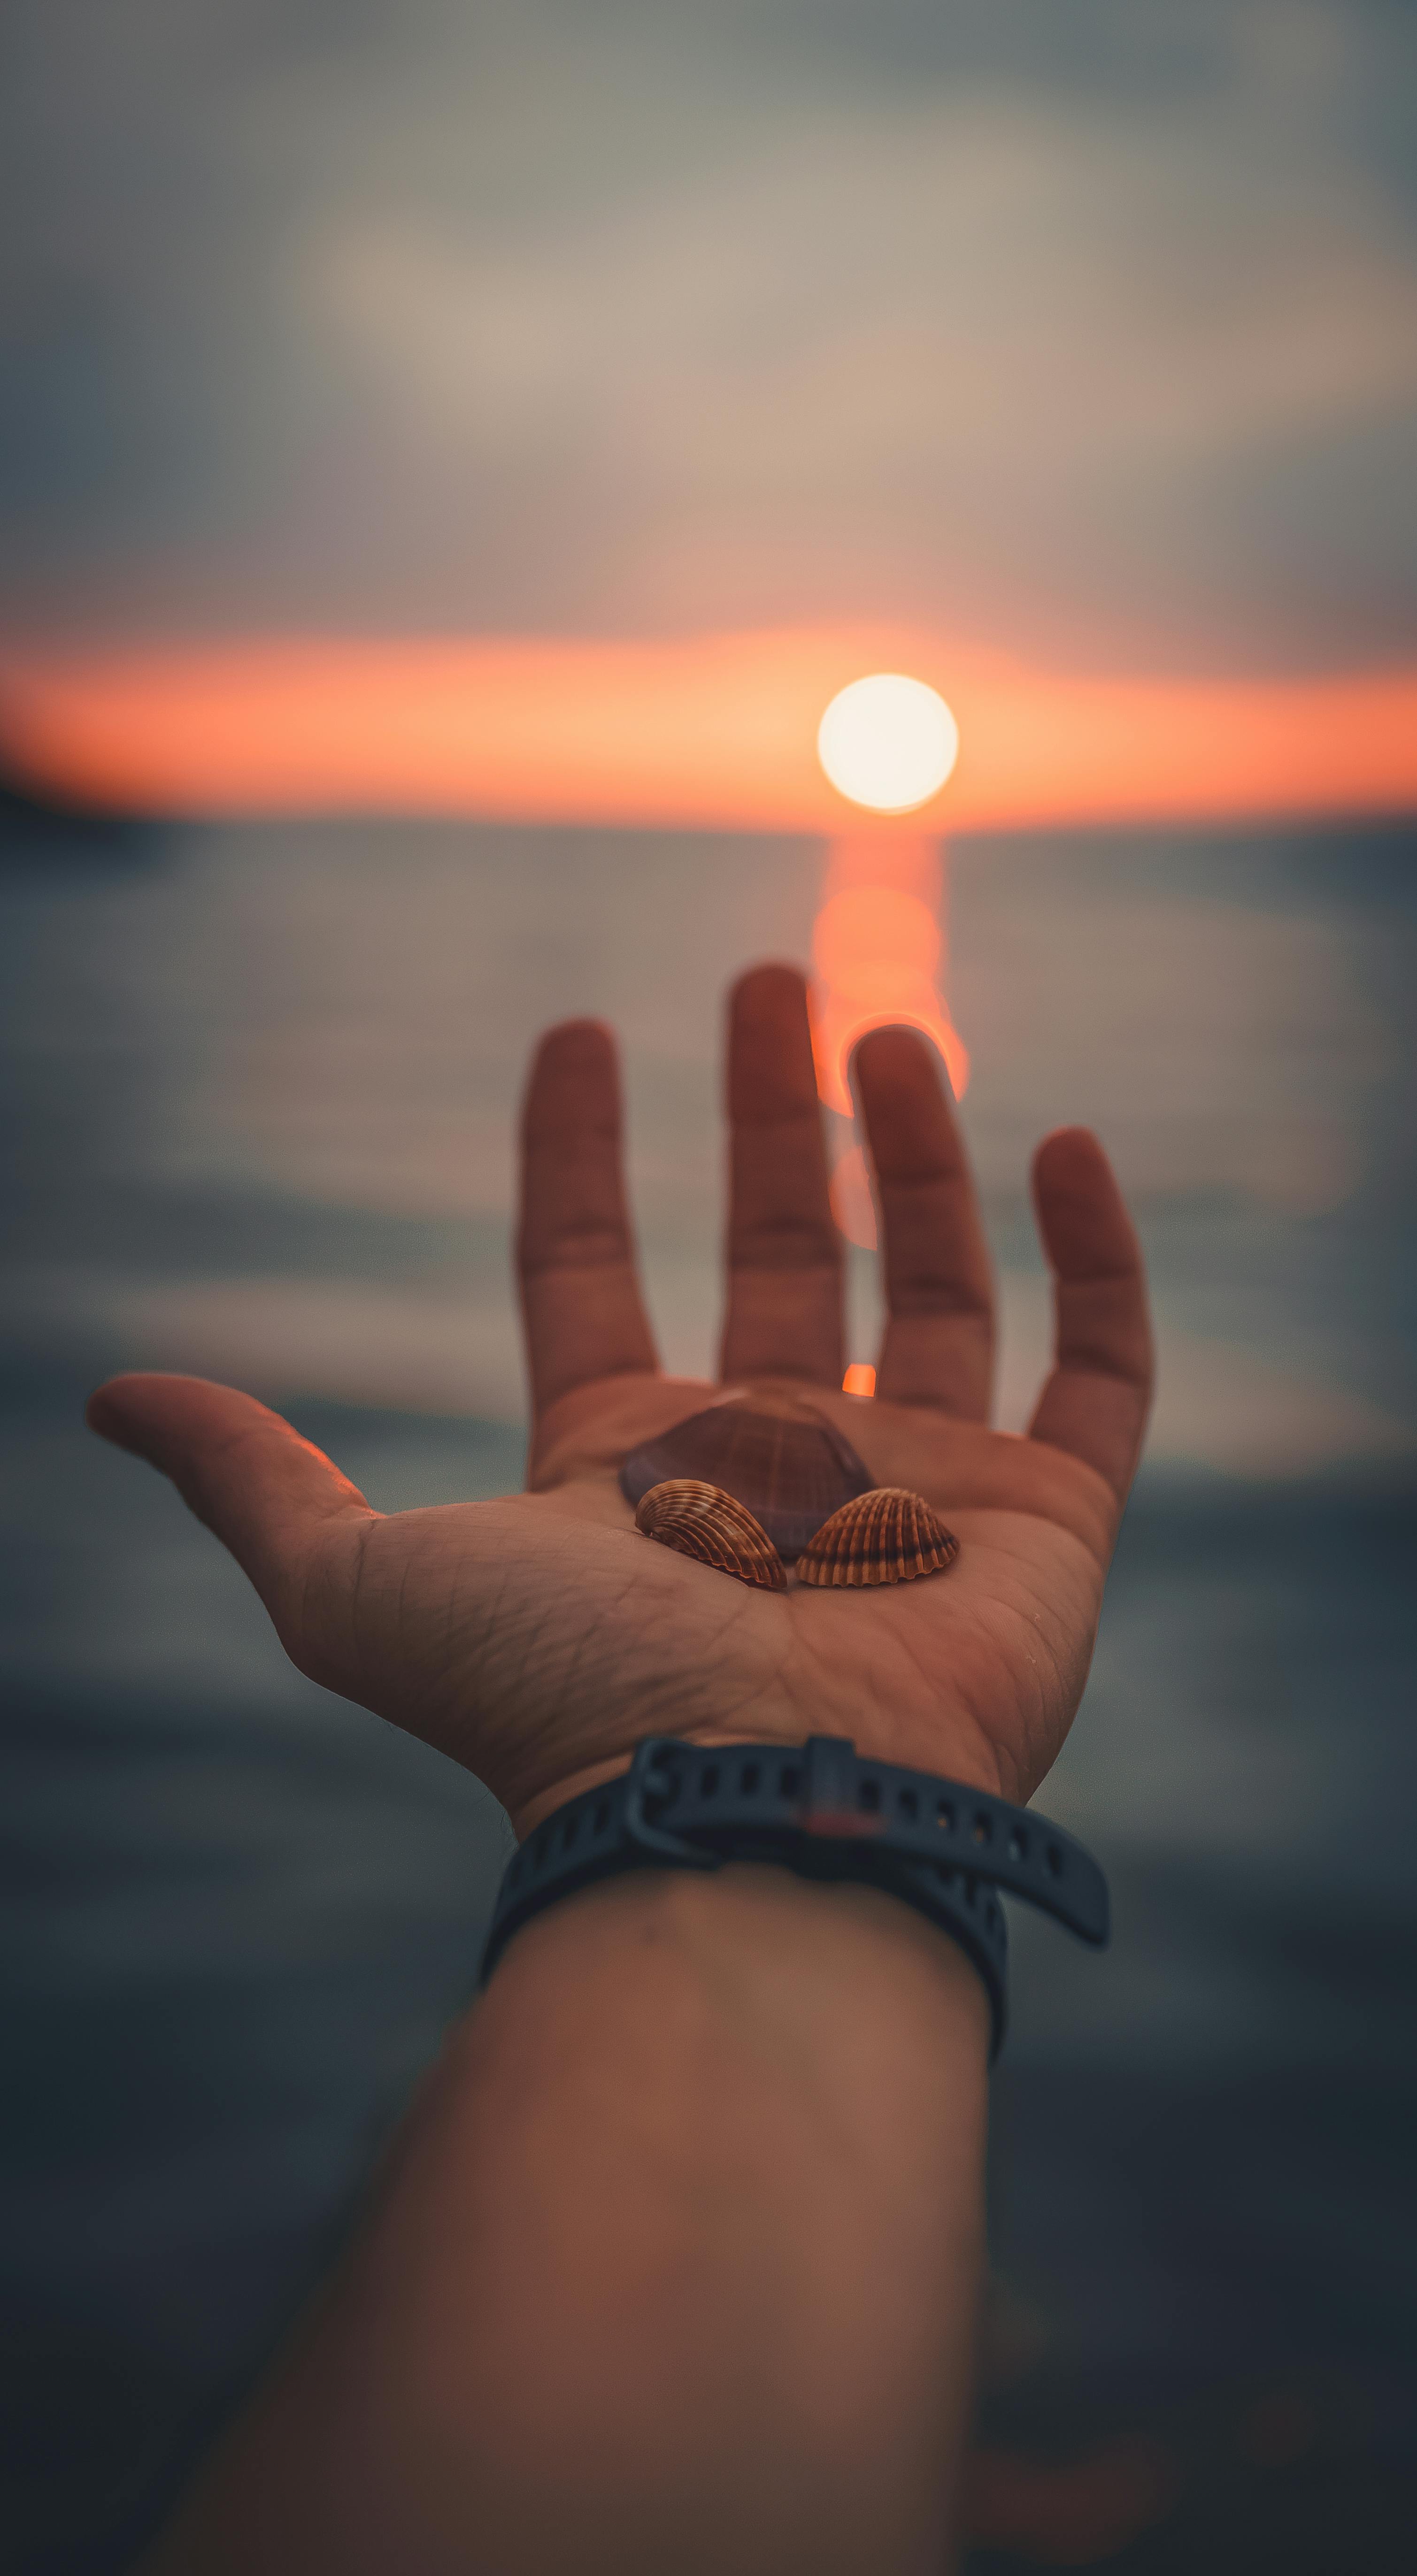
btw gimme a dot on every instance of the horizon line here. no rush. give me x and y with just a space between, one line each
714 731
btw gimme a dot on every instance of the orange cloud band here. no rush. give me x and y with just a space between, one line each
716 732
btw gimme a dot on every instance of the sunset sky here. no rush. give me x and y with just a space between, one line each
1081 338
451 454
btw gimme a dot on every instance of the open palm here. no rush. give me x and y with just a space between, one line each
537 1638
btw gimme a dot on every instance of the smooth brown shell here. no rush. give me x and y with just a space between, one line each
775 1454
888 1536
703 1522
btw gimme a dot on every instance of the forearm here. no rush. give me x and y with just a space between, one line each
676 2266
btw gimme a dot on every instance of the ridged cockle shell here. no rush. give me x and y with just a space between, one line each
703 1522
888 1536
775 1454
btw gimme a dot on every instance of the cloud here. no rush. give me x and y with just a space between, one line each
499 319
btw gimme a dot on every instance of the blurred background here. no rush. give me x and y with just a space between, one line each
1071 347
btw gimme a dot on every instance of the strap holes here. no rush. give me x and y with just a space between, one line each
908 1803
601 1817
868 1797
749 1777
788 1780
1054 1858
983 1826
708 1782
945 1816
1018 1844
569 1831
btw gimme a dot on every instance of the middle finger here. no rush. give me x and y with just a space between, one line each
784 1253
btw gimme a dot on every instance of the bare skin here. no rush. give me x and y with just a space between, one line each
536 1639
676 2265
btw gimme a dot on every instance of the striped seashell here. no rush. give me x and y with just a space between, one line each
887 1536
703 1522
775 1454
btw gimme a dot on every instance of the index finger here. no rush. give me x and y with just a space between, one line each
582 1313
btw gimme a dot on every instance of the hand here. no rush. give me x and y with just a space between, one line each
536 1639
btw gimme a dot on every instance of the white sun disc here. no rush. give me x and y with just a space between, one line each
888 742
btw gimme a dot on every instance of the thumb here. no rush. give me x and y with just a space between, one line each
273 1499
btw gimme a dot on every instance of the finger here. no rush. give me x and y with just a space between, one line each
1095 1402
784 1253
272 1498
939 1339
581 1308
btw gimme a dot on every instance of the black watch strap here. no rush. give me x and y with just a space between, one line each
827 1812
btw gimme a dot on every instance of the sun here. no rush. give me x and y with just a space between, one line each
888 742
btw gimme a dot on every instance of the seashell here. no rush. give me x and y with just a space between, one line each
775 1454
887 1536
702 1522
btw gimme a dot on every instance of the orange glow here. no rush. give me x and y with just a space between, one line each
860 1379
713 732
873 945
878 952
835 1039
853 1205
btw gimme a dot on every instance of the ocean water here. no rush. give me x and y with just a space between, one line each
259 1095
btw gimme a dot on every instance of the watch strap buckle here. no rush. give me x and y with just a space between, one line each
648 1837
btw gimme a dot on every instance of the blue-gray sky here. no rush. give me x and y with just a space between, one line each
1087 326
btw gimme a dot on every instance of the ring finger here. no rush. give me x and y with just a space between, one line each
939 1339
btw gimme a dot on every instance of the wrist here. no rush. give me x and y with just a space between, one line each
825 1813
972 1765
765 1943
